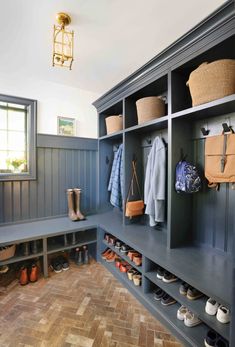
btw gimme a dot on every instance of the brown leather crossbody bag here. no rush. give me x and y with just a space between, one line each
136 207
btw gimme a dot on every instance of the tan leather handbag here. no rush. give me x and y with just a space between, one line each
136 207
220 159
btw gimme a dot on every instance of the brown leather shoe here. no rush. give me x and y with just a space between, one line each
106 253
111 257
131 254
24 276
137 259
33 277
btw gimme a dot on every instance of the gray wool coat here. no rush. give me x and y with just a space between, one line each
155 182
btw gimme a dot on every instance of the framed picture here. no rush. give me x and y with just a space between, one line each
66 126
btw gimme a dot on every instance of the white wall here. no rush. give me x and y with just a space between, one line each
55 100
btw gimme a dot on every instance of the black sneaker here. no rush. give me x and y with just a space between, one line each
65 265
158 294
56 265
168 277
211 338
167 300
160 273
193 294
184 288
221 342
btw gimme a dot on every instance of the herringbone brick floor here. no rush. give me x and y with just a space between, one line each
84 306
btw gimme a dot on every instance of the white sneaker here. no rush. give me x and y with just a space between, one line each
211 307
223 314
182 312
191 320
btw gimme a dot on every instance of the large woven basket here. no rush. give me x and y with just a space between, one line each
150 108
212 81
7 252
114 124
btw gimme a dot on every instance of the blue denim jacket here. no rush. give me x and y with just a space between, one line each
116 179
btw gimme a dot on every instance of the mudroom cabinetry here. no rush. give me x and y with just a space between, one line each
196 241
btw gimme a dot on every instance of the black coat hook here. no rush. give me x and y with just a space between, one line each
107 160
205 131
226 128
149 141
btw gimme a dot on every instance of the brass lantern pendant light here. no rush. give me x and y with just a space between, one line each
62 42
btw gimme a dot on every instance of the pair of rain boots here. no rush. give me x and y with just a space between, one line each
74 198
28 274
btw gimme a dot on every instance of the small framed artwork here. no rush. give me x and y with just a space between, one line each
66 126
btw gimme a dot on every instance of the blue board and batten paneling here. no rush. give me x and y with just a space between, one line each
62 162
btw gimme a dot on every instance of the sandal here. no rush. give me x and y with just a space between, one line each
131 273
137 279
106 253
111 257
131 254
112 240
137 259
118 262
107 237
124 267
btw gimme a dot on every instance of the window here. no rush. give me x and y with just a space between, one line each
17 138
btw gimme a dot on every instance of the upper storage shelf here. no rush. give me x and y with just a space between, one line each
156 88
181 98
116 109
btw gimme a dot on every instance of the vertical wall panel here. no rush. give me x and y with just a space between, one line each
7 201
62 180
48 181
55 182
33 199
41 183
213 218
1 202
16 194
58 169
25 200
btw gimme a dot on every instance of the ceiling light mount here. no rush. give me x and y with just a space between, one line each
63 19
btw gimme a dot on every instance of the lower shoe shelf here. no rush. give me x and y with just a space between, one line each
58 248
196 306
19 258
193 337
123 256
122 277
83 237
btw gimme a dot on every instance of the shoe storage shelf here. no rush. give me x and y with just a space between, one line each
52 236
196 241
193 336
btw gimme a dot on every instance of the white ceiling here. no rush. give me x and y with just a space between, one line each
112 37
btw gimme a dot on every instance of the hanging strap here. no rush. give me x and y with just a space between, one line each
223 159
134 177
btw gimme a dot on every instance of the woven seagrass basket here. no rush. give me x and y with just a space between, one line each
211 81
7 252
150 108
114 124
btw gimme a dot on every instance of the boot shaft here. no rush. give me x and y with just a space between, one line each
79 214
25 249
24 276
71 205
33 277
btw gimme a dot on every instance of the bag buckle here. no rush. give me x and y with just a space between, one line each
222 162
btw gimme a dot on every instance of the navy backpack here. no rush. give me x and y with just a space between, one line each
187 178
